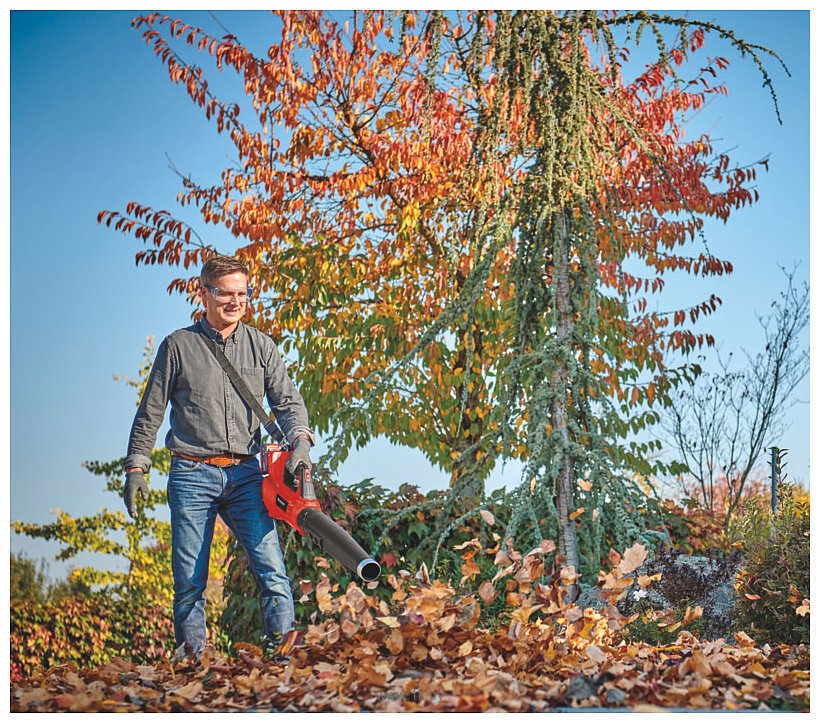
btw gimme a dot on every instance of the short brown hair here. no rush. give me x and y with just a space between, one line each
218 266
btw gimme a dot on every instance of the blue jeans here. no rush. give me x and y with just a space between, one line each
196 493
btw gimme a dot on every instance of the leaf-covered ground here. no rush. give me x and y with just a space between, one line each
427 650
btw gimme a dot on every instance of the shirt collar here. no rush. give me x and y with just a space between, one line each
214 334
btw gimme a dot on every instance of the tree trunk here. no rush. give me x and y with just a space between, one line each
565 483
469 472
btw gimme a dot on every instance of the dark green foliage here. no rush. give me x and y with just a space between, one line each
27 579
776 577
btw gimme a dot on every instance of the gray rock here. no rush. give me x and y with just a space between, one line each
685 580
615 696
581 687
590 598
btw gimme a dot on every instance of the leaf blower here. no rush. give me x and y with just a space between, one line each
293 501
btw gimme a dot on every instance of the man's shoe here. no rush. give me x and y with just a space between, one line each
278 647
182 654
271 648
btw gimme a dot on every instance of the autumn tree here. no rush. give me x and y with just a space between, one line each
352 204
439 219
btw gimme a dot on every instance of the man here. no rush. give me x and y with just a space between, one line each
214 441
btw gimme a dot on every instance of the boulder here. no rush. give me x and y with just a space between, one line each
686 580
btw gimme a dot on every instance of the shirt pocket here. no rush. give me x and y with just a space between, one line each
255 379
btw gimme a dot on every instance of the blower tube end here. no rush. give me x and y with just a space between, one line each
338 543
369 570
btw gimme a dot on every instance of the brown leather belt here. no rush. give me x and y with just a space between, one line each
217 460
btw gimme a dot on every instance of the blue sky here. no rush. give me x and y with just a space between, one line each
92 118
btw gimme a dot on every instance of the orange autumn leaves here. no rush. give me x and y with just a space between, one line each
534 661
427 650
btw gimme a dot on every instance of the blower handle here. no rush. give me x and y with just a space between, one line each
303 473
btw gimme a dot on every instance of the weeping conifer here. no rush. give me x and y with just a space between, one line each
547 85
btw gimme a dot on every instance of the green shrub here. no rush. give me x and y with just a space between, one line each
400 529
28 580
775 579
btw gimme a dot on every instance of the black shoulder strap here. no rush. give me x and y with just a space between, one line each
267 420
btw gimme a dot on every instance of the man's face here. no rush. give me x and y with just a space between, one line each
222 312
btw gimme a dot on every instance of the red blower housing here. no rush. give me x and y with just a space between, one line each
293 501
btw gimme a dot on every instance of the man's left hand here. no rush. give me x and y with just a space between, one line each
299 455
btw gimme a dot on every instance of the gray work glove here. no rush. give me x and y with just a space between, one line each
134 482
300 454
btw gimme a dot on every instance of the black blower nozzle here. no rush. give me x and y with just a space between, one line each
337 543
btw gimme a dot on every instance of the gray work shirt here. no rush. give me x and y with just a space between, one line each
208 416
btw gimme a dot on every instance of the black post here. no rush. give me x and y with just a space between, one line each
777 475
774 475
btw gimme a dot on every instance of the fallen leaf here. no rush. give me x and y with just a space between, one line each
469 570
390 621
395 643
568 573
744 640
487 592
446 622
794 594
64 700
547 546
190 691
644 581
323 596
470 543
523 613
573 613
633 558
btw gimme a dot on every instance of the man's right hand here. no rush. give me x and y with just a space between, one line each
134 482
